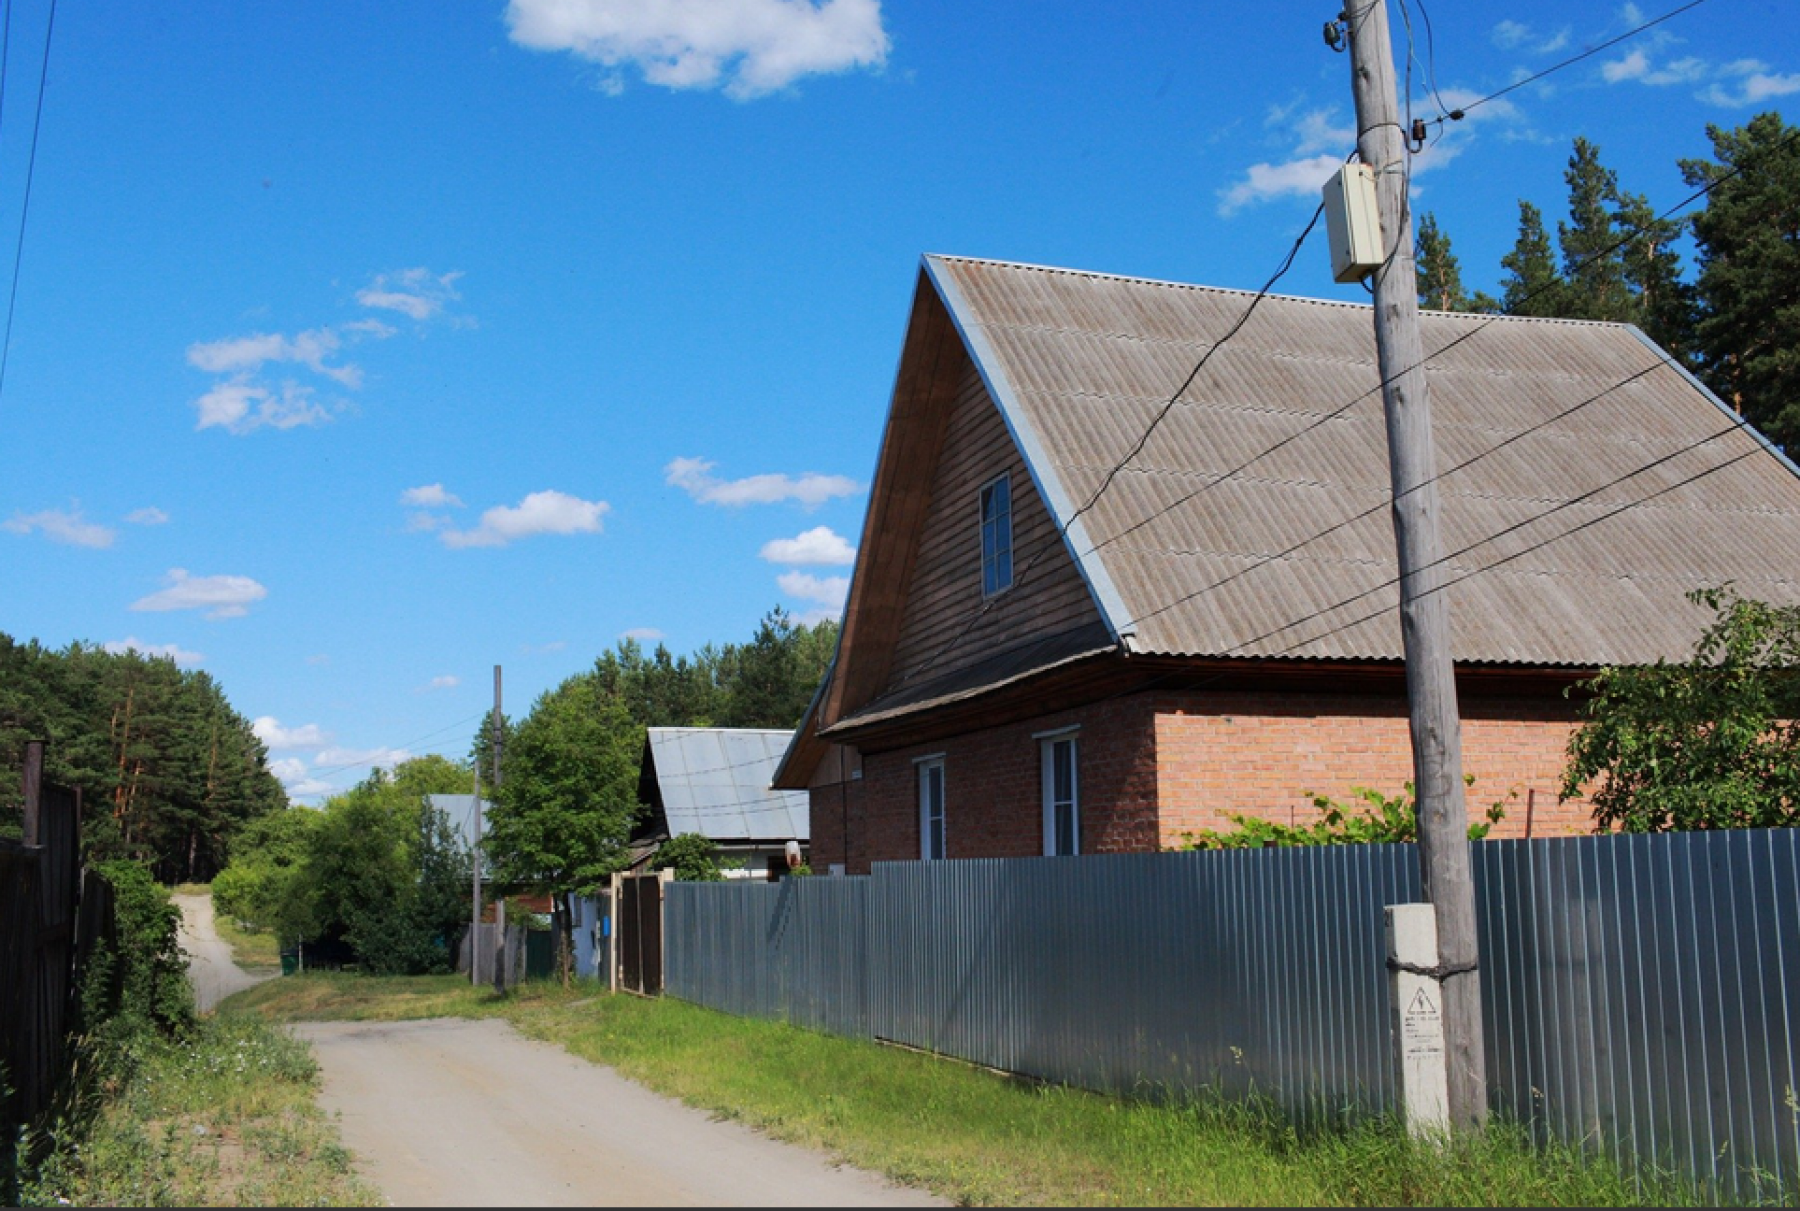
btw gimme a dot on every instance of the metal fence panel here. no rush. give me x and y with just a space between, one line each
1640 992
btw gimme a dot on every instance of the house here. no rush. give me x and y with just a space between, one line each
715 781
1029 664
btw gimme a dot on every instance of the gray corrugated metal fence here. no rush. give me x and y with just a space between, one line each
1638 989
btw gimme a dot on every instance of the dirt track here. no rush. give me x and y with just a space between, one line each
459 1113
210 967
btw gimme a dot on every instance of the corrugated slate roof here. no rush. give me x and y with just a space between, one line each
1081 363
715 781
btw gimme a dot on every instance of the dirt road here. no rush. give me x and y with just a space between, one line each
458 1113
210 968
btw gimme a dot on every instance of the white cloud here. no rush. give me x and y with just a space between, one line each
309 788
162 651
288 769
694 476
416 522
819 545
828 591
268 729
1302 177
1752 83
320 658
149 516
643 634
548 512
219 596
416 293
1637 66
1515 35
64 526
385 757
240 405
431 496
542 649
1510 34
248 354
446 682
1318 134
752 47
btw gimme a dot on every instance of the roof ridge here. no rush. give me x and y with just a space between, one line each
1169 283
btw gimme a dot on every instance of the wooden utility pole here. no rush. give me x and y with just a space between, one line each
1424 610
475 868
500 903
33 786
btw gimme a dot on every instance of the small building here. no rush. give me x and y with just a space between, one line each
1102 600
714 781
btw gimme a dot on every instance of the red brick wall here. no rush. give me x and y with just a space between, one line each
1265 755
1154 766
992 807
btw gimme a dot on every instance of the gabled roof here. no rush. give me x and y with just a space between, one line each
715 782
1192 553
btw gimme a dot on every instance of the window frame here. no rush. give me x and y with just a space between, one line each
925 769
1003 482
1048 744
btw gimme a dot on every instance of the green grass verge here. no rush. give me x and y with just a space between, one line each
224 1117
979 1138
256 952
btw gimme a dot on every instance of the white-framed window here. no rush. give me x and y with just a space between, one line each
996 536
931 807
1062 794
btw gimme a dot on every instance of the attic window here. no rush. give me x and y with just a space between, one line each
996 537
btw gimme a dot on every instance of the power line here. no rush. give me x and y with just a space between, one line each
1113 472
405 744
1456 115
1739 426
12 294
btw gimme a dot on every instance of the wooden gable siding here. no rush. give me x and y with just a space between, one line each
944 591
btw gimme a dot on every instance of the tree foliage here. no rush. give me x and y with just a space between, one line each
376 872
1712 743
169 771
1749 272
693 858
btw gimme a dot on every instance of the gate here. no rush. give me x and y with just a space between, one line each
641 934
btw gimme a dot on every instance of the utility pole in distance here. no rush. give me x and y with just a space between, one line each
1443 823
500 902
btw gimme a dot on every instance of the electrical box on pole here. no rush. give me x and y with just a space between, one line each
1353 223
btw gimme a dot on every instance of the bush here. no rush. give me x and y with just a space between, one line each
139 982
693 858
1387 820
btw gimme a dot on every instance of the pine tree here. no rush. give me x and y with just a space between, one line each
1664 305
1593 262
1532 285
1440 275
1749 272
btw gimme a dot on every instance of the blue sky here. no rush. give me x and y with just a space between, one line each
359 348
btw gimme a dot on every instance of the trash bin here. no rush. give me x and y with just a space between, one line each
290 962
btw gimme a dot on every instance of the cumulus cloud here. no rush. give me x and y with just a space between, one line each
643 634
828 591
1749 82
1516 35
446 682
819 545
149 516
268 729
60 525
1300 177
750 47
418 294
385 757
431 496
248 354
1637 65
241 405
219 596
159 651
694 476
547 512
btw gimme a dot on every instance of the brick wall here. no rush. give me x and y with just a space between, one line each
1261 754
1153 766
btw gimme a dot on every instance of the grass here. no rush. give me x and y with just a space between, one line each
255 952
224 1117
979 1138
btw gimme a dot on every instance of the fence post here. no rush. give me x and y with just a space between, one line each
615 889
1418 1017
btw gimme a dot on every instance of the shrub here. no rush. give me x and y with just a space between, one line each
1386 820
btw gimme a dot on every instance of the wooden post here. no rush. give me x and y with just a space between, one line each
34 792
475 869
1424 609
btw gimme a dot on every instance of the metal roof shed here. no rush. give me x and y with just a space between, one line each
715 782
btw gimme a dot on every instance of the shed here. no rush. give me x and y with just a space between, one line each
715 782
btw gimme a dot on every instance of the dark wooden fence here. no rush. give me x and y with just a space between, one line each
53 917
